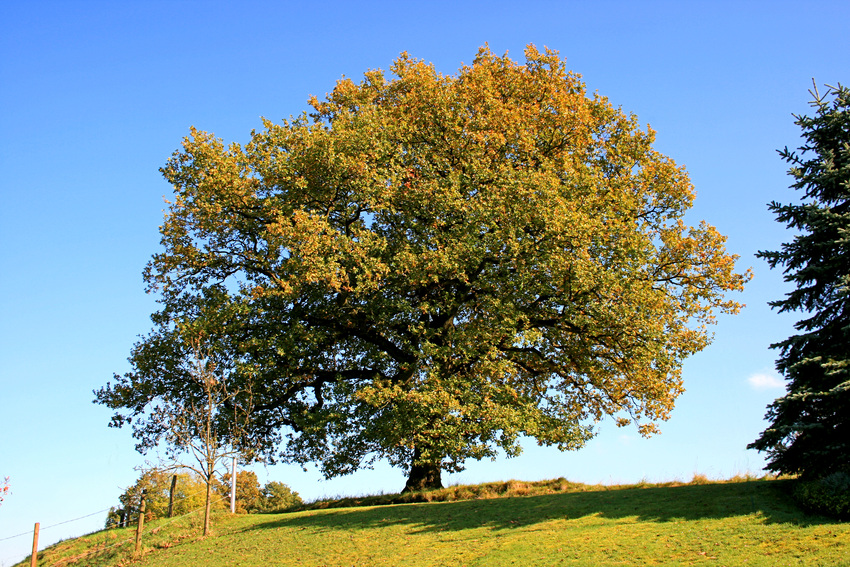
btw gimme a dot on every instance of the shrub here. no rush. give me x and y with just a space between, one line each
700 479
276 497
829 495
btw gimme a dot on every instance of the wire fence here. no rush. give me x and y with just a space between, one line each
29 533
97 550
132 538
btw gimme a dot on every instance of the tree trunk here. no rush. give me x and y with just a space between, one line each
207 506
423 476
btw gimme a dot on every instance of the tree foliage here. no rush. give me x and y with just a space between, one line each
273 497
428 267
189 495
194 406
276 497
247 490
809 432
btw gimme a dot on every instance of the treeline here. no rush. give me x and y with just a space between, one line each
169 494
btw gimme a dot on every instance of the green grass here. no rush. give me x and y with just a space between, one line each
749 523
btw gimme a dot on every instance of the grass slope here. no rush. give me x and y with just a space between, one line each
731 523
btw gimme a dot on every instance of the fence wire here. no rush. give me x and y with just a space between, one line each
122 542
40 529
132 538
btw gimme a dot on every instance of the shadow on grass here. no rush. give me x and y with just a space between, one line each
654 504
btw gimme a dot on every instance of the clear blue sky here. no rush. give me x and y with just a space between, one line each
95 96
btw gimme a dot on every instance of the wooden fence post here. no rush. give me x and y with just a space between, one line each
140 526
233 487
171 495
34 557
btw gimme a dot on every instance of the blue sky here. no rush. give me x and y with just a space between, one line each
95 96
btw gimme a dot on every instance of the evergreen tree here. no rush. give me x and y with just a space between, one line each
810 426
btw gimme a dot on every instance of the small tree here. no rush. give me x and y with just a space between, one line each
809 432
200 417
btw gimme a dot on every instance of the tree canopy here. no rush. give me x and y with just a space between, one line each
809 432
189 495
428 267
247 490
276 497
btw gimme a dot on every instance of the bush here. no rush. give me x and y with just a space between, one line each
277 497
829 495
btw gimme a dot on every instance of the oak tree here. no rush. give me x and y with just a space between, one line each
428 267
809 431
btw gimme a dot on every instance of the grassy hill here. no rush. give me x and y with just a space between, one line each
525 524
